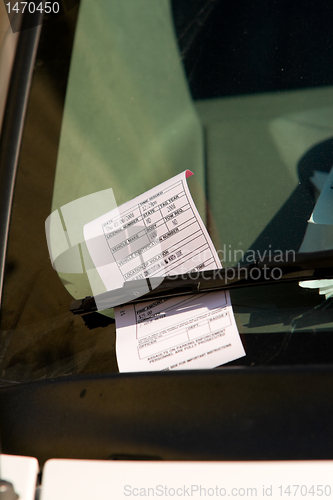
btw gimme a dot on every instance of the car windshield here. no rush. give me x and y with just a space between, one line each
125 97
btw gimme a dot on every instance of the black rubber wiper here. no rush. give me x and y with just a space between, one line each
290 267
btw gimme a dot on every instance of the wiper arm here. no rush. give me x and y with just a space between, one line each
299 266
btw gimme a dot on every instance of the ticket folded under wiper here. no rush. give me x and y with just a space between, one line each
161 233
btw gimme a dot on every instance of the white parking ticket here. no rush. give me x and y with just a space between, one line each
187 333
158 233
161 233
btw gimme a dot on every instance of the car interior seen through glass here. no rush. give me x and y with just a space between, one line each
127 97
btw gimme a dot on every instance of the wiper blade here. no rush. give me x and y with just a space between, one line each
291 267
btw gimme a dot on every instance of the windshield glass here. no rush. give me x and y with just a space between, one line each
125 98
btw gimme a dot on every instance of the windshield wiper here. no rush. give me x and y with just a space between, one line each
291 267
